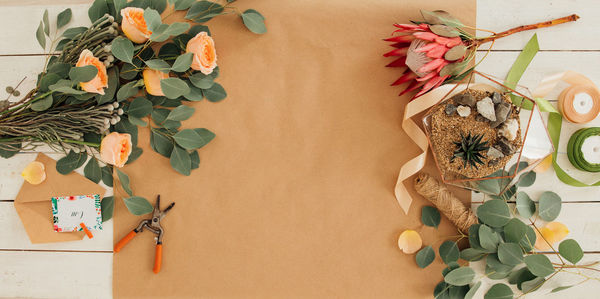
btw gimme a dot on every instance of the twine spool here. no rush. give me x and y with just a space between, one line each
579 103
445 201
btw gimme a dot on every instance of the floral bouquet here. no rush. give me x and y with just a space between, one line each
128 69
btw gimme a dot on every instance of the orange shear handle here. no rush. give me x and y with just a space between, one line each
124 241
157 259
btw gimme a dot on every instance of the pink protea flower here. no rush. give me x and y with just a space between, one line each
424 54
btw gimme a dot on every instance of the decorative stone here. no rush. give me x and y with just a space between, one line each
485 107
463 111
496 98
465 99
506 147
509 129
450 109
480 118
502 112
494 153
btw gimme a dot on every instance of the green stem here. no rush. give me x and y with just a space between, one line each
81 142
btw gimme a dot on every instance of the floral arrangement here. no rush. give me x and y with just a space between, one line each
128 69
440 49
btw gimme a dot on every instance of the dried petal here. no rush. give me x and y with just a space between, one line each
34 173
456 53
544 165
552 232
409 241
416 60
443 30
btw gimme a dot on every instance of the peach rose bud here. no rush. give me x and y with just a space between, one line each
34 173
134 25
152 81
99 82
552 232
410 241
205 55
115 149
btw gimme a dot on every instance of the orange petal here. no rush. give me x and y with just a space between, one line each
552 233
544 165
34 173
410 241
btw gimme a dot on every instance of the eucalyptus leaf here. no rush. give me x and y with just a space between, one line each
440 17
197 29
532 285
430 216
139 107
183 4
514 230
558 289
193 138
528 241
92 171
499 291
177 28
510 253
202 81
472 254
519 276
107 206
183 62
98 9
83 73
215 93
124 179
122 49
472 290
124 126
446 31
72 32
180 160
159 65
174 87
254 22
525 205
570 250
527 179
488 239
159 115
195 94
63 18
138 205
46 21
70 162
441 291
460 277
107 176
43 103
127 91
425 257
203 11
550 205
195 159
181 113
449 252
539 265
451 266
494 263
39 35
161 143
152 18
494 213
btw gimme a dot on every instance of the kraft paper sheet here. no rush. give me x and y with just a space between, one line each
295 196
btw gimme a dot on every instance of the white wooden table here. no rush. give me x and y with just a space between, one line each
83 269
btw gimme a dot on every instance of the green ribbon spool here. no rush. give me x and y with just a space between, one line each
575 152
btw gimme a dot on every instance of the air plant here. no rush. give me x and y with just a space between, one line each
440 49
469 149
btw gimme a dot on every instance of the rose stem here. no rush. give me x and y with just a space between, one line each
508 32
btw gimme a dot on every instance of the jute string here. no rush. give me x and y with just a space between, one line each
445 201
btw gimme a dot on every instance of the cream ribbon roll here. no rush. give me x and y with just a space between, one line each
579 103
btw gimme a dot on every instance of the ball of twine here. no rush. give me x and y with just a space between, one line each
445 201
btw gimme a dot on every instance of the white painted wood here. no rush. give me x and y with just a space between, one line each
31 274
502 15
14 69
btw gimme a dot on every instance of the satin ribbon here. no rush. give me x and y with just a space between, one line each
413 131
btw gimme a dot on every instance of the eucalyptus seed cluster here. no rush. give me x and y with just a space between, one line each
97 38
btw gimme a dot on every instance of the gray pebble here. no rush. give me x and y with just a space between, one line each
465 99
450 109
496 97
505 147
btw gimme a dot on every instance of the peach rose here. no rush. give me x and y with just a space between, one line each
134 25
152 81
205 55
115 148
99 82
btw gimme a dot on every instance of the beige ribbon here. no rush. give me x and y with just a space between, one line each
413 131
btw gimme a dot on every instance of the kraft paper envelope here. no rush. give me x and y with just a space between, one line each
295 196
33 203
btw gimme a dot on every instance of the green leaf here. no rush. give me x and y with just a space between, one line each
124 126
570 250
124 179
183 62
472 254
494 213
425 257
136 152
460 277
519 276
181 113
539 265
254 22
47 80
514 230
202 81
430 216
107 206
493 262
216 93
122 49
137 121
92 171
441 17
107 176
65 86
39 34
63 18
127 91
174 87
180 160
203 11
183 4
449 252
558 289
488 239
532 285
160 33
472 290
42 104
161 143
441 291
550 205
139 107
83 73
195 159
152 18
197 29
528 240
10 152
73 32
159 65
193 138
527 179
98 9
159 115
111 90
177 28
510 253
525 205
499 291
70 162
138 205
128 72
195 94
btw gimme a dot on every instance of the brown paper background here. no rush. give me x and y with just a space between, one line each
294 198
34 207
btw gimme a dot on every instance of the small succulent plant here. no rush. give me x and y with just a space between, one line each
469 149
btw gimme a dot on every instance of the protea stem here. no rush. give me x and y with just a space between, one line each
571 18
